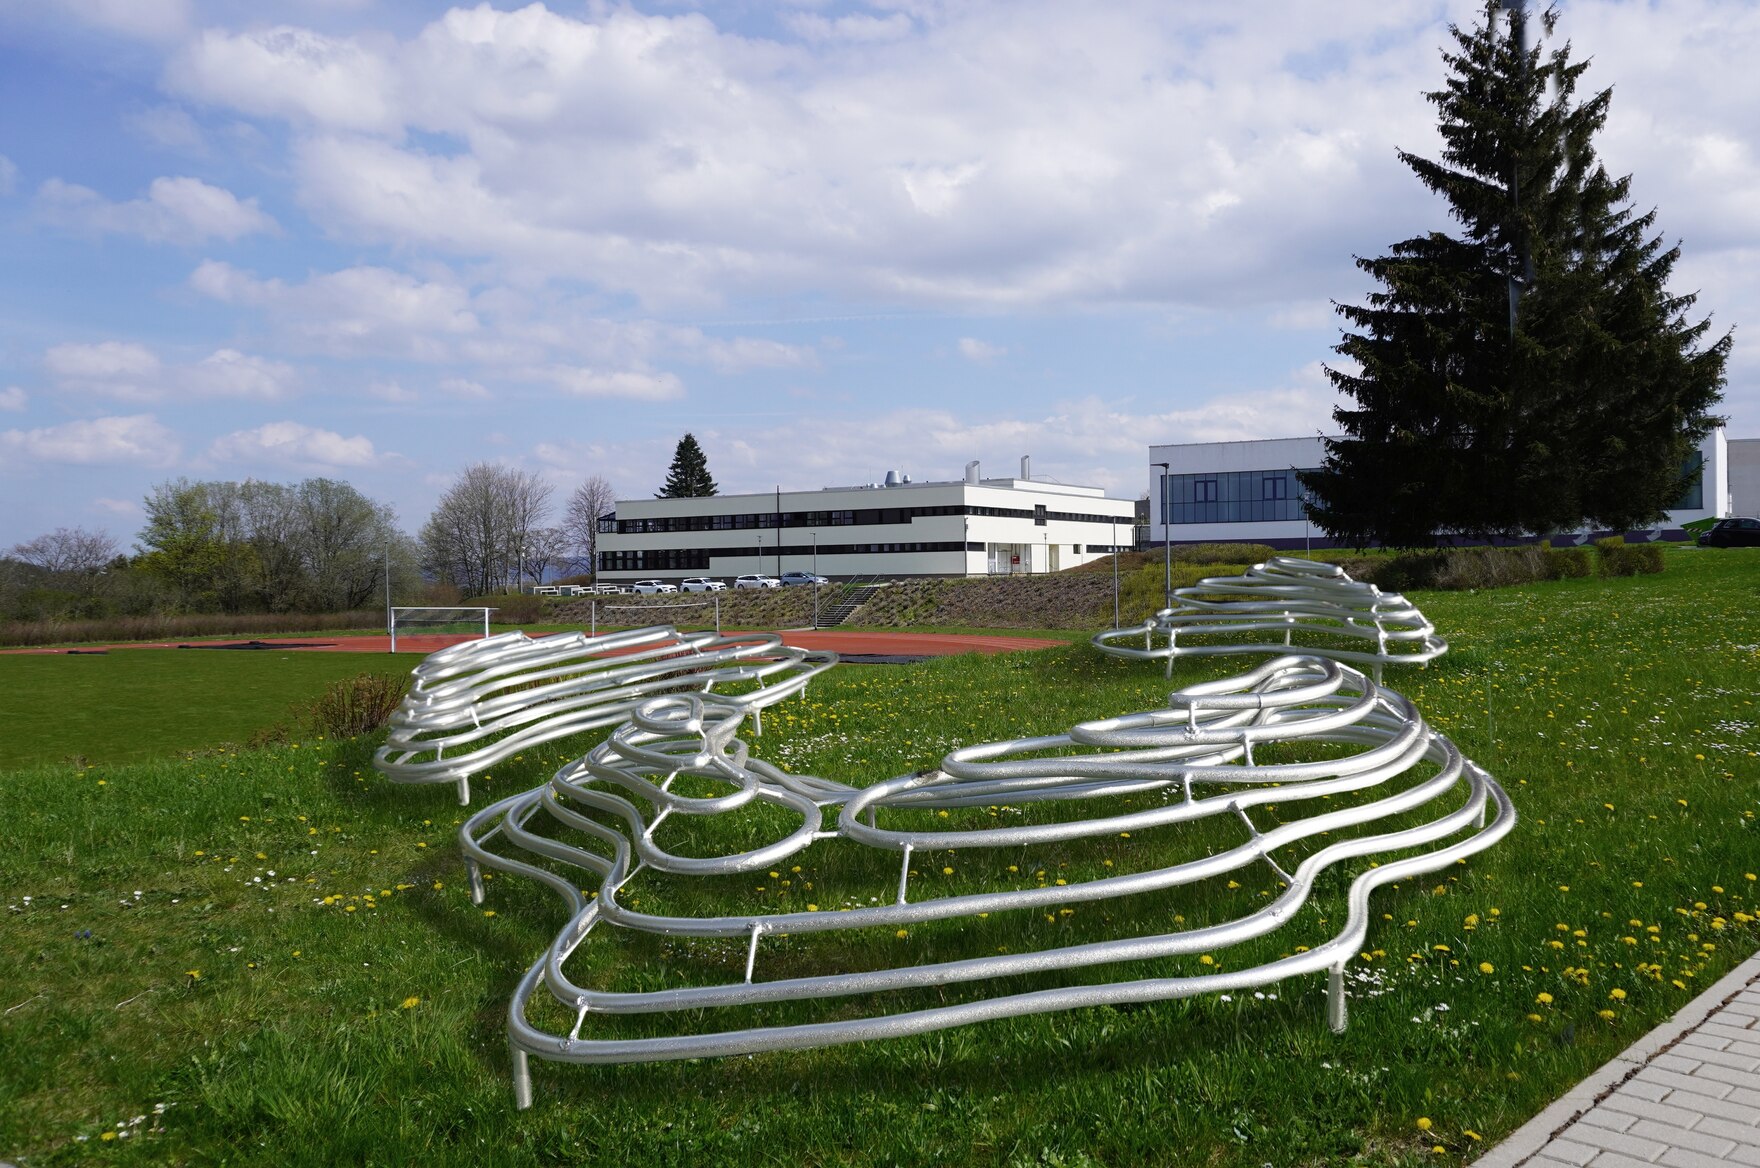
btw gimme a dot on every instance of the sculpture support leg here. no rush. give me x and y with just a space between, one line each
1335 1008
522 1077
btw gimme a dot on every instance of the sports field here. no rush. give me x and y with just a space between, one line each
268 956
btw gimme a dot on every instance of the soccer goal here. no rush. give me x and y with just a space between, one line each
411 621
620 615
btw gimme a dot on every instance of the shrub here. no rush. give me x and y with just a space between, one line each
1222 553
357 705
511 608
1568 563
1619 558
173 628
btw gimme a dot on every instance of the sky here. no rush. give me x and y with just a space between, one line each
380 240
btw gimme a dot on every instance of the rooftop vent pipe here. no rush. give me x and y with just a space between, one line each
1027 467
972 472
892 478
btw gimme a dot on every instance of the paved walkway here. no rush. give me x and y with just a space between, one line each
1686 1095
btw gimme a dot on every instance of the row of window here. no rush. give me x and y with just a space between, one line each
1243 496
697 559
1264 496
1040 515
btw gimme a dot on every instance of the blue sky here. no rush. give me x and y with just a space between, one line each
379 240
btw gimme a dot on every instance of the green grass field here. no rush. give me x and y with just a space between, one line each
269 956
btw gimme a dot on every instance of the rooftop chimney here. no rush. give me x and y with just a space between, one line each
972 473
1027 467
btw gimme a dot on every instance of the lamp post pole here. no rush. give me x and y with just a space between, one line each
1166 541
520 580
815 579
1115 571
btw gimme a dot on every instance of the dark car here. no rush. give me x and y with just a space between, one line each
1737 531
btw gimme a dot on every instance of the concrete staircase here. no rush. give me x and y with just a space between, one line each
852 599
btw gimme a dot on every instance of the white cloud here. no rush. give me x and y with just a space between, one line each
393 391
175 210
630 383
973 349
293 444
104 361
355 311
810 26
123 507
132 372
291 73
8 175
136 439
13 399
230 373
464 387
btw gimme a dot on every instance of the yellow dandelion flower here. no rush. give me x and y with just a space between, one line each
411 1003
1487 967
1617 995
1544 998
1424 1123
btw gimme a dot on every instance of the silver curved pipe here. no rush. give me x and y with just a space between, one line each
1196 757
1311 604
474 704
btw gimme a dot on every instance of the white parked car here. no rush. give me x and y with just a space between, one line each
655 587
791 579
702 584
757 582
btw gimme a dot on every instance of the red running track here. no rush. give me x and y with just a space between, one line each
894 644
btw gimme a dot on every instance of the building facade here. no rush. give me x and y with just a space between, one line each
898 528
1247 492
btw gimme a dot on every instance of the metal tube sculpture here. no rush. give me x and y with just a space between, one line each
1318 602
476 703
1293 768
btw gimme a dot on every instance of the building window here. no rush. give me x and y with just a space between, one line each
1039 515
1694 497
1247 496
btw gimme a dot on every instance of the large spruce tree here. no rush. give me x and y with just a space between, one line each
688 476
1531 373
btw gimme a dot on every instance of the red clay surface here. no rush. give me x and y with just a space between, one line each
895 644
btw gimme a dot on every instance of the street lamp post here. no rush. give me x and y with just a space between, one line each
815 536
520 580
1166 540
1115 571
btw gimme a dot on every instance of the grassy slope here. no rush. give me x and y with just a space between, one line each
293 1045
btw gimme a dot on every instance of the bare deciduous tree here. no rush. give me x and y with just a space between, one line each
71 550
544 546
474 535
590 501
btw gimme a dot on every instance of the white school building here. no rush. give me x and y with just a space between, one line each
1247 492
973 526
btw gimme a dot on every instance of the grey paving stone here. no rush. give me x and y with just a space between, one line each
1618 1160
1674 1080
1707 1143
1623 1142
1718 1026
1704 1041
1672 1061
1617 1121
1743 1134
1687 1158
1644 1109
1729 1108
1565 1150
1724 1058
1730 1075
1642 1088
